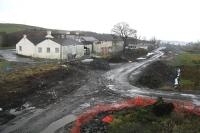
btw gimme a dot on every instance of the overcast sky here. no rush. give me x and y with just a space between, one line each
164 19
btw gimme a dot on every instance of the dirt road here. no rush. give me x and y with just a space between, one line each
120 77
106 87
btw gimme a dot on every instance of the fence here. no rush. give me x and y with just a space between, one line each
180 106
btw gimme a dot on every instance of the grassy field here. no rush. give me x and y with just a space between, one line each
187 59
190 70
9 28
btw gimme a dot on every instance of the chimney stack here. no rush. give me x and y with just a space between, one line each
49 35
24 36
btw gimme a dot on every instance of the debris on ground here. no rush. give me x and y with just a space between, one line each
43 84
100 64
87 60
149 54
141 58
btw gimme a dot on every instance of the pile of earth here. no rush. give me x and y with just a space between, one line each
41 88
43 84
156 75
100 64
157 118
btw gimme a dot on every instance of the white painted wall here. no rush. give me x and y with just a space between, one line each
80 51
28 48
48 44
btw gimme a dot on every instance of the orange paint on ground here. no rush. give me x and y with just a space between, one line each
107 119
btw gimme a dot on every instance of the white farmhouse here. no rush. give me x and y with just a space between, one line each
25 47
51 48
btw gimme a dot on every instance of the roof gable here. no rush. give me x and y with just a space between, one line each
25 41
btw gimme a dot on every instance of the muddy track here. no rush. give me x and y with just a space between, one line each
122 86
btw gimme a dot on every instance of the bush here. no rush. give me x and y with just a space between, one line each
156 75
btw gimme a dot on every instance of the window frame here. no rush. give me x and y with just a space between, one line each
48 50
57 50
39 49
20 48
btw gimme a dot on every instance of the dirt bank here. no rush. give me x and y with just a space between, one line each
43 84
39 86
156 75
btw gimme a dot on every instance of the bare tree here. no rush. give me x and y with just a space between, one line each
123 30
155 42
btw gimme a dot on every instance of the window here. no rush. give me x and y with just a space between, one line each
20 48
48 50
57 50
39 50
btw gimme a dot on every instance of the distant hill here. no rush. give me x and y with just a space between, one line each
10 28
10 34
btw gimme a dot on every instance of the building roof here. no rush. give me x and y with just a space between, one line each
89 38
36 40
108 37
34 36
66 42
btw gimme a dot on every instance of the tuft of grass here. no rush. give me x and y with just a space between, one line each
189 59
189 63
186 84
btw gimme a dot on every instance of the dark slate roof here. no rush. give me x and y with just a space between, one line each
89 38
34 36
100 37
36 40
104 37
108 37
66 42
86 43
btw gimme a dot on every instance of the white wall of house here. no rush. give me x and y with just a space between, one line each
79 51
48 49
25 47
